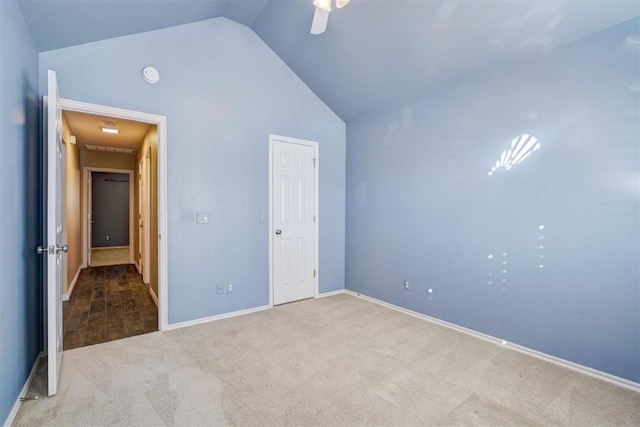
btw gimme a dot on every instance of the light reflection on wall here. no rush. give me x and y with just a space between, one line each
521 147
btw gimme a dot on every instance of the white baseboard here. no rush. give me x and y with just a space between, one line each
154 297
216 317
65 297
233 313
16 406
612 379
137 267
330 294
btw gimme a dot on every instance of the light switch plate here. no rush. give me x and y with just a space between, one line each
202 218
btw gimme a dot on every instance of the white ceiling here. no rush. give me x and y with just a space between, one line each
375 53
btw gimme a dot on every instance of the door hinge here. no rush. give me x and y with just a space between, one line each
314 163
314 274
314 218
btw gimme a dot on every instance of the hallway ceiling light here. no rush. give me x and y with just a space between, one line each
110 130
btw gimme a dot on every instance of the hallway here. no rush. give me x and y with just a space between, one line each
108 303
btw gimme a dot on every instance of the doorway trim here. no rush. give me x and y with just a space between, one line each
316 210
161 123
85 210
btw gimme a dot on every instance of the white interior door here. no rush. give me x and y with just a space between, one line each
55 247
293 242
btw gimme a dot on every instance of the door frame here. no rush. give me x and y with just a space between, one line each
161 123
316 209
87 194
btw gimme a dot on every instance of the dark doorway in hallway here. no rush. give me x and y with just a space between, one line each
108 303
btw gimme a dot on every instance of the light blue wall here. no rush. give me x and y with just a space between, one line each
20 286
223 91
422 207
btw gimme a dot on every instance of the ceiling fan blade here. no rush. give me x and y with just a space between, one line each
319 23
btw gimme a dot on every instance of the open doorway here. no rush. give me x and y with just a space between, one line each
106 296
110 216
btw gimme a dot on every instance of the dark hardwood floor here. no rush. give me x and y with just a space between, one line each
108 303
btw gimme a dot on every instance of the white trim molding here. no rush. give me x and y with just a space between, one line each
25 389
594 373
161 123
65 297
154 297
217 317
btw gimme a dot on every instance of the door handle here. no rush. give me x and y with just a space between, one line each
63 248
278 232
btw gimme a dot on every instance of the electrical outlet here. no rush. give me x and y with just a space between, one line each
407 285
230 288
107 237
219 288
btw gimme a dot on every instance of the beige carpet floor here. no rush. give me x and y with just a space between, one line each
333 361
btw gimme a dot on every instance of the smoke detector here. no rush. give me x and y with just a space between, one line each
150 75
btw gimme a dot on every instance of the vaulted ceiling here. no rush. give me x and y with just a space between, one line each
374 54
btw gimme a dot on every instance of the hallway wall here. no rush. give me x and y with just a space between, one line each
72 207
150 142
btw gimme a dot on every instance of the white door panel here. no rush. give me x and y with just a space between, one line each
293 207
54 231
